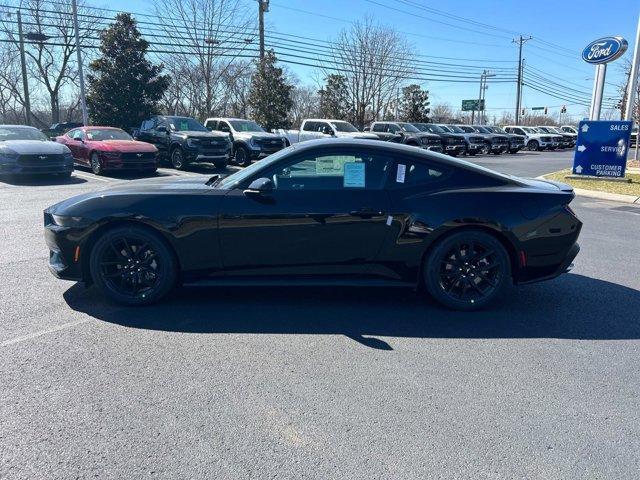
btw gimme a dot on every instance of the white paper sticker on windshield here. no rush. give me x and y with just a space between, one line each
401 171
354 175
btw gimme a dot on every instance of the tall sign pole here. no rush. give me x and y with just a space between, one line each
83 98
25 80
632 87
598 90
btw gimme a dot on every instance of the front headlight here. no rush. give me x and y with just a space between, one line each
192 142
68 221
8 156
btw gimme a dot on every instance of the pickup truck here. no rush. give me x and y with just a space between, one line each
495 144
183 140
516 142
533 139
474 142
315 128
404 132
250 140
567 140
453 144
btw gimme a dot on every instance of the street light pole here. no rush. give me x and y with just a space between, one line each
25 81
83 98
520 42
632 88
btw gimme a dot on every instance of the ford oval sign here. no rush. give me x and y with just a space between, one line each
604 50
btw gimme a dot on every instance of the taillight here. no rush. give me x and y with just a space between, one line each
570 210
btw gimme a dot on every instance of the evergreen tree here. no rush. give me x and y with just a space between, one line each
270 94
334 98
124 87
414 104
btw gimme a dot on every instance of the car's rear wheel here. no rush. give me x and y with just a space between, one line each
177 158
467 270
96 167
133 266
533 145
242 157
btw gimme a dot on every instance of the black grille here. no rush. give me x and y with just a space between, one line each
138 156
476 139
40 160
501 140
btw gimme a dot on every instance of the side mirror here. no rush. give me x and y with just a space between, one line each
366 129
260 187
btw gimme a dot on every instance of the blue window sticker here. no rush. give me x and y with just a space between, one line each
354 175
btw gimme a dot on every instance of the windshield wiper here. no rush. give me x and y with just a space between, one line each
212 181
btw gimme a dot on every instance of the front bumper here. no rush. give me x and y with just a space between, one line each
63 261
499 147
17 169
455 149
129 165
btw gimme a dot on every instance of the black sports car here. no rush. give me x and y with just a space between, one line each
338 211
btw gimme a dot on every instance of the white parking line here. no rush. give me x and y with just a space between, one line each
43 332
88 176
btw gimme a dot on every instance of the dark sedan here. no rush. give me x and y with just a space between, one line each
27 151
336 212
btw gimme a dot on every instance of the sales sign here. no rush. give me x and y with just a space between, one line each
601 148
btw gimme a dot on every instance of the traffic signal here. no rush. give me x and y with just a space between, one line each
523 110
563 109
546 109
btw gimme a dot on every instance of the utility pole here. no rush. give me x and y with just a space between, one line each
482 80
263 6
25 81
520 41
83 98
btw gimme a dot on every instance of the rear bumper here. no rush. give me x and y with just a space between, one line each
540 274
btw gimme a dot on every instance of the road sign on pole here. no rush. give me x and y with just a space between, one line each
601 148
468 105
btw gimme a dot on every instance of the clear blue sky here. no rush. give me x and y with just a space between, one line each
571 24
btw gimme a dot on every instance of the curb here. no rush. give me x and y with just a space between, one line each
613 197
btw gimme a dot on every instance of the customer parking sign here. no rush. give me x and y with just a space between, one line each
601 148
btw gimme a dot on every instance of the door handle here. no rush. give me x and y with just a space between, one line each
366 213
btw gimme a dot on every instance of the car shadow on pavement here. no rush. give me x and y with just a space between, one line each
570 307
41 180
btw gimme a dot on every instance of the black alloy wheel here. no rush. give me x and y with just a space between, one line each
242 157
177 158
533 145
467 271
132 266
96 167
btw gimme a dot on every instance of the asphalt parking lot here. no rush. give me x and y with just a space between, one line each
321 383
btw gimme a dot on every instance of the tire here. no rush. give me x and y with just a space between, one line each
467 270
94 163
242 157
486 149
177 158
533 145
133 265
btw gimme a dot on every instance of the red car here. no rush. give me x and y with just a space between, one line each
108 148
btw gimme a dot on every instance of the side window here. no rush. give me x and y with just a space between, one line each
160 122
411 172
224 127
78 135
70 133
391 128
333 171
310 126
378 127
210 124
324 127
519 131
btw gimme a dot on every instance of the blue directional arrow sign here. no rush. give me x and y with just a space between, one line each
601 148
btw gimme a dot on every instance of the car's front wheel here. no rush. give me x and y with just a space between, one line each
533 145
133 266
467 270
177 158
96 167
242 156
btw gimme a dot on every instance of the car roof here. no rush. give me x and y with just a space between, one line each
17 126
97 127
324 120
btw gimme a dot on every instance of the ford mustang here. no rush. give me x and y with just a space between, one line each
337 212
108 148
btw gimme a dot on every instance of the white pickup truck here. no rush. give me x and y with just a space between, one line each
315 128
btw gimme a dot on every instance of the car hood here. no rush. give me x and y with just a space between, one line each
198 134
34 147
457 136
257 135
370 136
123 146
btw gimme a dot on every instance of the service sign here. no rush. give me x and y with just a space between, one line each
604 50
601 148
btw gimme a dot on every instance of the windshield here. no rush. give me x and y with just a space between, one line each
498 130
569 129
107 134
529 130
407 127
185 124
21 133
483 129
227 183
344 127
455 129
466 129
427 127
245 126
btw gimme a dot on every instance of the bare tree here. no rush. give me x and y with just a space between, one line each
375 60
442 112
50 62
306 104
208 38
622 91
